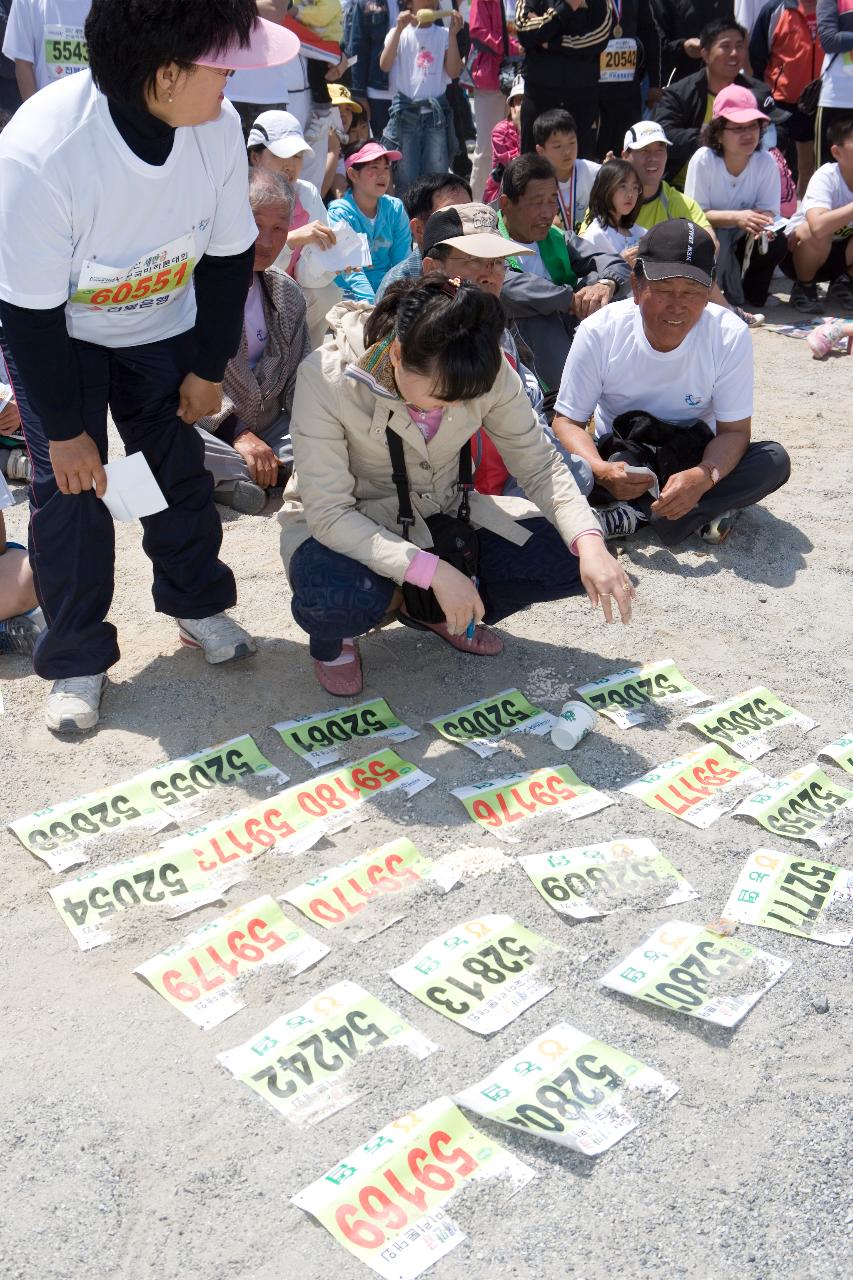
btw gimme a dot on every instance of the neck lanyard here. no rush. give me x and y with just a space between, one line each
617 29
568 214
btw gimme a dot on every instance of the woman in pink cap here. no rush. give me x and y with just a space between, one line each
371 212
739 188
126 252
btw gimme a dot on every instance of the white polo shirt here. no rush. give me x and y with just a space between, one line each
85 222
49 34
611 368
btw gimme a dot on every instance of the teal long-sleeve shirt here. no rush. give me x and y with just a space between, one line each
388 235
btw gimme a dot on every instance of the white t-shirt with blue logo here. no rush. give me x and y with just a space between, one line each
611 368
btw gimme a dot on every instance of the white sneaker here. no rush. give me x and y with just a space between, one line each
73 704
220 639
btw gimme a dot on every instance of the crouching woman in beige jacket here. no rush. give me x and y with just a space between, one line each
426 367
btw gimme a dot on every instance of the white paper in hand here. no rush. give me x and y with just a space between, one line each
132 491
653 486
7 498
349 250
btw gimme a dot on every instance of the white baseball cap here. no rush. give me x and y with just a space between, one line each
644 134
280 132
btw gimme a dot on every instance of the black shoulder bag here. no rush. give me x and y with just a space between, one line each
810 96
454 538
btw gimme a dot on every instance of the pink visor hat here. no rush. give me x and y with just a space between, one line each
738 104
269 46
371 151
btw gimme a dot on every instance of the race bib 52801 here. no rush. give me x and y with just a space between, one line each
153 281
566 1087
688 969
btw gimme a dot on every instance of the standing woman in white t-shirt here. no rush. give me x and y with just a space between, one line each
835 32
421 61
122 288
739 188
46 41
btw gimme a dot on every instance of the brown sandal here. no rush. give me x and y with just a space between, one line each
483 644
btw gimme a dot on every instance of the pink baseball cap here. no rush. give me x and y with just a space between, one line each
738 104
269 46
371 151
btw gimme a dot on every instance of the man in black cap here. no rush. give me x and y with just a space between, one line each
669 377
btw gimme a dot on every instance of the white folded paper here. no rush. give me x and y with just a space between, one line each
132 491
317 266
6 497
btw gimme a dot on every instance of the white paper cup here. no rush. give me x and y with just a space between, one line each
574 723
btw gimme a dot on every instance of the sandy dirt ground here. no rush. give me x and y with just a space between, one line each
128 1151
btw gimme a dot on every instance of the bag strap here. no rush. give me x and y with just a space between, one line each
400 477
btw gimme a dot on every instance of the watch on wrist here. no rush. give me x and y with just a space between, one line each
712 472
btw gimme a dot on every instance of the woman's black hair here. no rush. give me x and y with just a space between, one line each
611 175
129 40
447 332
711 134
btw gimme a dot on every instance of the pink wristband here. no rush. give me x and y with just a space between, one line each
587 533
421 570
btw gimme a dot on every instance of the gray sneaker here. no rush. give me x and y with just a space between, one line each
839 296
19 634
241 495
73 705
19 467
219 639
618 520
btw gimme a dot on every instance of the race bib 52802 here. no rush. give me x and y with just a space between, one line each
153 281
628 697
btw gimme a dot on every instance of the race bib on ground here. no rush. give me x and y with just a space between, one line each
699 787
780 891
618 61
57 834
840 752
65 50
338 894
299 1062
318 738
688 969
162 879
197 974
481 974
153 281
804 805
481 725
568 1088
499 804
629 697
750 724
383 1202
588 882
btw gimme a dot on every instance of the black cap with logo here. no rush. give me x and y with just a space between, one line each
677 249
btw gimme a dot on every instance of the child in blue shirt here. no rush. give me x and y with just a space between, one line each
371 212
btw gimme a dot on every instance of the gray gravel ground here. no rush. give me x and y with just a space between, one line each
129 1152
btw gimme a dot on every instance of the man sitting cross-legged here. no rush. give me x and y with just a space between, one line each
671 374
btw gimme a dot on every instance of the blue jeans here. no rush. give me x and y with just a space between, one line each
335 596
423 132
